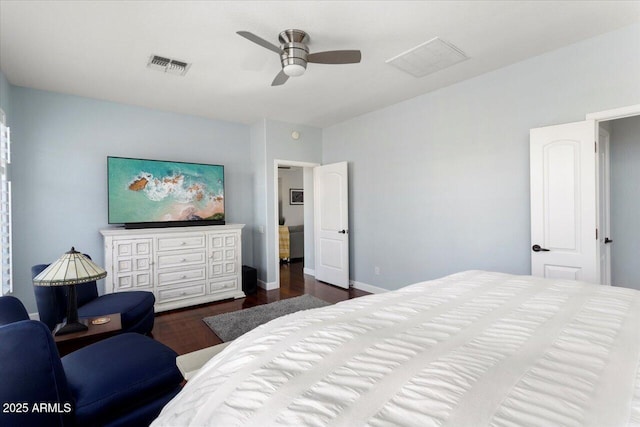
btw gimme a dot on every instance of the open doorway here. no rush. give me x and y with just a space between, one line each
619 178
294 228
291 215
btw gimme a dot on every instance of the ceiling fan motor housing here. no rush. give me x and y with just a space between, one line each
294 52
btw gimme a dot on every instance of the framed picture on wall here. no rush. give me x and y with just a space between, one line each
296 196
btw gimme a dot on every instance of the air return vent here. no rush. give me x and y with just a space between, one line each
427 58
167 65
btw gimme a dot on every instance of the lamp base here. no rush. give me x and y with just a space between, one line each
68 328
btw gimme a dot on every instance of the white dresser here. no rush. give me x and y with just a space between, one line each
182 266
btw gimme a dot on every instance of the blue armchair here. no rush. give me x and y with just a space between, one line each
11 310
121 381
135 308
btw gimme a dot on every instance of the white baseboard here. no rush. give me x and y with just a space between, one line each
352 283
268 286
357 285
367 288
34 316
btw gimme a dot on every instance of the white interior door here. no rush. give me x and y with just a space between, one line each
332 223
563 202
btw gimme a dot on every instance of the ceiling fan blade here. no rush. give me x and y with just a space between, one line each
335 57
260 41
280 79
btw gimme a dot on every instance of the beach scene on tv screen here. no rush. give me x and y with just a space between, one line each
160 191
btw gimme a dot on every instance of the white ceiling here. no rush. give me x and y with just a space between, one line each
99 49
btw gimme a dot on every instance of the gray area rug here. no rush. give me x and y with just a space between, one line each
229 326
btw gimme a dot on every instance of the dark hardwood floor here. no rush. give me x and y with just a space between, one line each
184 331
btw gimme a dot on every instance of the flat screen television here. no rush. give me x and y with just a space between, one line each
154 193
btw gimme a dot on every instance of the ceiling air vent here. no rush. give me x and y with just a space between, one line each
171 66
427 58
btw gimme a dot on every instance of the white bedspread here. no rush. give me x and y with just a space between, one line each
471 349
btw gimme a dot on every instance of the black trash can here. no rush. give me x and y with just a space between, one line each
249 280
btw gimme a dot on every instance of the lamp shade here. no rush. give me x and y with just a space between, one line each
71 268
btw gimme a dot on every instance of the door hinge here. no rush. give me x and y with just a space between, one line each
596 234
595 145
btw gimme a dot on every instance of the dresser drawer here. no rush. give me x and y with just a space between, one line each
132 247
127 265
170 277
173 294
223 285
219 241
133 281
181 259
186 241
219 269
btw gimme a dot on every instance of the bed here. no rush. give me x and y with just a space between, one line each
471 349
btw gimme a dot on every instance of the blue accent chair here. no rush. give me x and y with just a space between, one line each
135 308
11 310
121 381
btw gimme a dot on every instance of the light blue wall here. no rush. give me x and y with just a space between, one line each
259 164
440 183
625 202
59 170
271 140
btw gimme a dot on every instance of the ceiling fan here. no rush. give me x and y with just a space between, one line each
294 54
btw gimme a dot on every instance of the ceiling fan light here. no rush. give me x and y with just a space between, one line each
294 70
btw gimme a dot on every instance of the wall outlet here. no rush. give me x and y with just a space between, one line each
376 270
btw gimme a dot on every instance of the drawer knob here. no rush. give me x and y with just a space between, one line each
184 260
184 276
183 243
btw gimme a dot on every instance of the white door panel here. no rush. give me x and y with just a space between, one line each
332 223
562 272
563 202
562 230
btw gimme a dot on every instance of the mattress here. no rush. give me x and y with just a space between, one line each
471 349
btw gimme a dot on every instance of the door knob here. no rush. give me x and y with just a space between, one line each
537 248
343 231
607 240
